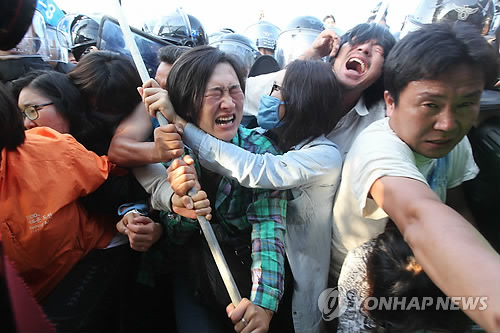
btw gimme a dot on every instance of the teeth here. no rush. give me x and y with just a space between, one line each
359 61
224 120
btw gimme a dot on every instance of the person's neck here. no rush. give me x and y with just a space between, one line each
351 97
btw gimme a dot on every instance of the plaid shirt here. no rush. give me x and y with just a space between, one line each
240 209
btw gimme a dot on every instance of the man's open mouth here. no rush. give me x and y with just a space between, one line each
356 64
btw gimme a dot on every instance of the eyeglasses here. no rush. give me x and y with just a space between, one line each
31 111
276 87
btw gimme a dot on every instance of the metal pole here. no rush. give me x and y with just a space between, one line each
220 261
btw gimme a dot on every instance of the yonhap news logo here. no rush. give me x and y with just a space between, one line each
333 302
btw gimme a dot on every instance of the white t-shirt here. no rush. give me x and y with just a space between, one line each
379 152
354 122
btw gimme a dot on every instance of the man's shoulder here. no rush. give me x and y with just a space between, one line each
377 144
378 130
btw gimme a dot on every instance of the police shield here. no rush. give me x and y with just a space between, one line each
111 38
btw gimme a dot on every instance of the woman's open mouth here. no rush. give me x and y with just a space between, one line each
226 120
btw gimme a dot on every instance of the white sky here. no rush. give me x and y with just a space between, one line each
238 15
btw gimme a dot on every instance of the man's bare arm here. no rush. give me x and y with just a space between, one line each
452 252
128 147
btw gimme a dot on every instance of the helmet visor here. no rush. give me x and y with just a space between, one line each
292 44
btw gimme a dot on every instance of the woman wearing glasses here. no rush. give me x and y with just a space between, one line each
45 230
50 99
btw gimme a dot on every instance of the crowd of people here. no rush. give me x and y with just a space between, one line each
341 170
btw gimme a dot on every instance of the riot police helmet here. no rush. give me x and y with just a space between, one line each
264 34
35 40
180 29
78 32
239 46
306 22
478 13
214 36
84 33
300 34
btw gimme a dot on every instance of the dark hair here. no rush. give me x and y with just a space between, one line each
426 53
189 76
170 53
67 100
361 34
11 121
108 81
313 102
18 84
329 16
393 272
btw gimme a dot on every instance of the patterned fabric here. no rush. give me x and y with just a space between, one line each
353 288
242 210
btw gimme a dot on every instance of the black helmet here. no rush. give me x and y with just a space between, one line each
78 32
264 34
306 22
180 29
476 12
240 46
15 19
84 33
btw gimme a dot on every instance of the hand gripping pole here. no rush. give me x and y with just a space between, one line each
220 261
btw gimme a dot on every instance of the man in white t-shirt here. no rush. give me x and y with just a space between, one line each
410 166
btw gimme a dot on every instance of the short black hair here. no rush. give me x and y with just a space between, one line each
18 84
392 271
11 121
313 102
361 34
189 76
170 53
434 49
108 81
